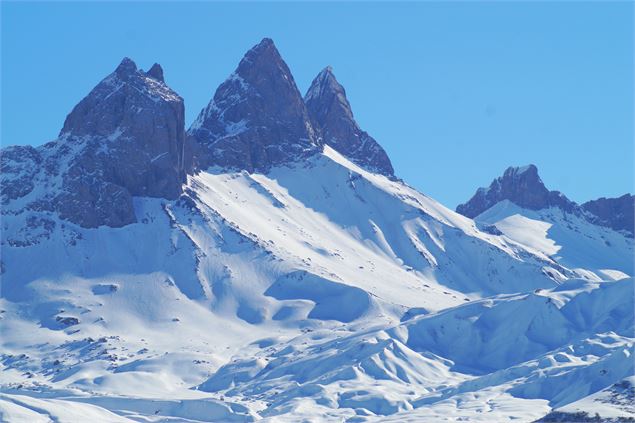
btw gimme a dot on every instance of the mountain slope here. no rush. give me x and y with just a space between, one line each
519 207
305 284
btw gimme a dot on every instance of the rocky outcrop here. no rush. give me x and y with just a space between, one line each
134 125
124 139
520 185
332 116
257 118
616 213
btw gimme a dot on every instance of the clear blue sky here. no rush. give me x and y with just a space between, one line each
455 92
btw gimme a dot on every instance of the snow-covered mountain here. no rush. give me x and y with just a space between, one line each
267 264
519 206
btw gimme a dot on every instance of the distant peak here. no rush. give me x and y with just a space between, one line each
520 185
156 72
126 67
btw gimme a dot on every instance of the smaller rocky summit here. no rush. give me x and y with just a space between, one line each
136 125
332 116
616 213
257 118
124 139
520 185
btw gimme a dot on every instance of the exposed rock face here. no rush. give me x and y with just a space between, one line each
520 185
331 114
125 139
137 122
257 118
617 213
18 167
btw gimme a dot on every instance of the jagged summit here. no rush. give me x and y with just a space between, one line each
324 80
520 185
124 139
256 119
126 68
332 116
156 72
265 50
118 100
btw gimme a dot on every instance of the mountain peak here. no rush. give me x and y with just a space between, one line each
100 114
332 115
129 137
126 67
520 185
263 56
156 72
257 118
265 43
325 78
325 84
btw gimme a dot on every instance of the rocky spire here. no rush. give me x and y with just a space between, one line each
257 118
331 114
520 185
124 139
156 72
126 68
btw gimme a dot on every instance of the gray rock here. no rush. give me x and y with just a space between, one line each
522 186
617 213
67 320
332 115
18 167
156 72
124 139
134 125
257 118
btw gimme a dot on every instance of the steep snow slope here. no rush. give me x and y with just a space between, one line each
594 252
617 403
317 289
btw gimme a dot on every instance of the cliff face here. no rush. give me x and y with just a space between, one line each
257 118
332 115
124 139
617 213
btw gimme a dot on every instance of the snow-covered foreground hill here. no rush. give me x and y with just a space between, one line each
268 265
320 291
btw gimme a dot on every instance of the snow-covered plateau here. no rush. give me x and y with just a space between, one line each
304 288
